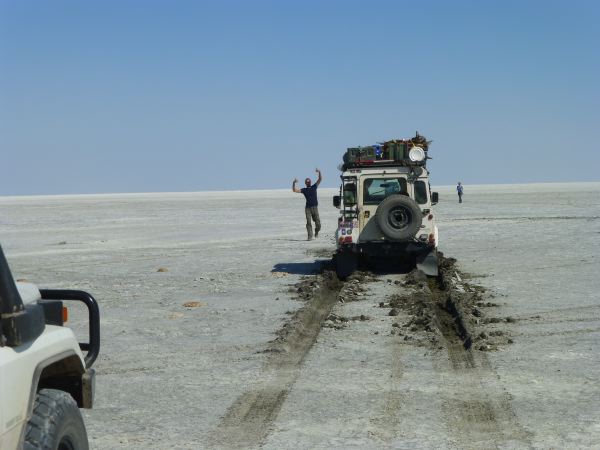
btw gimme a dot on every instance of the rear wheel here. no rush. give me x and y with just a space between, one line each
345 264
56 423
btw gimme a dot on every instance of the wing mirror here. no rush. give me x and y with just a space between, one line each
336 201
434 198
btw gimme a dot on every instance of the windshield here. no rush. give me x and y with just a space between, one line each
375 190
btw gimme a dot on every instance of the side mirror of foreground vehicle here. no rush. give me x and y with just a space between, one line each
434 198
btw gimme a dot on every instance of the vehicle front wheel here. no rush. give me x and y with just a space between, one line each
55 424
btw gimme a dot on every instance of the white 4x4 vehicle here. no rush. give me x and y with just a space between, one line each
44 376
385 207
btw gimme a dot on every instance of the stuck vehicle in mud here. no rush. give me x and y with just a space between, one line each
385 204
44 376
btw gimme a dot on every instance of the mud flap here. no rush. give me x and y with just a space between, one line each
428 263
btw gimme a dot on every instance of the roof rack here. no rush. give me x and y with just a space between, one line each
365 164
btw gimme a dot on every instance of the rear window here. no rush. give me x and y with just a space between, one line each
420 192
375 190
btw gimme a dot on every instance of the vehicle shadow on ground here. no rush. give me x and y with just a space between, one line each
304 268
390 268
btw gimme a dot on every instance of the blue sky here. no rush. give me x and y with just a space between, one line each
148 96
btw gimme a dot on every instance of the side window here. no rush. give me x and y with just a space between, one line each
350 194
420 192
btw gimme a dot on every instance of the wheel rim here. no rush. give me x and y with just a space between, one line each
399 217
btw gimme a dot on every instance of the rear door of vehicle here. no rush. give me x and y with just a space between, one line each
373 190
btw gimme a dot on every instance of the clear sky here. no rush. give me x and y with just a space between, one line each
148 96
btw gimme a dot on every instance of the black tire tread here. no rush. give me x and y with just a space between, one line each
50 409
345 265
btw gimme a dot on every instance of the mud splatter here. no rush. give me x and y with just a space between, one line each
447 305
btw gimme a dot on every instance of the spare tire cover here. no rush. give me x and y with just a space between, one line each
399 217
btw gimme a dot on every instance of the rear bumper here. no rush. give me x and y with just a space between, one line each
387 249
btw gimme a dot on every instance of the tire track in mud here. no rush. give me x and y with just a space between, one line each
248 420
386 420
478 410
386 424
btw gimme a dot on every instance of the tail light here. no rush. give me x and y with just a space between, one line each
432 239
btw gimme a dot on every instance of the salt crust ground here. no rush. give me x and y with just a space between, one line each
167 373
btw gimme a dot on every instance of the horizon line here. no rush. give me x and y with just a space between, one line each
231 191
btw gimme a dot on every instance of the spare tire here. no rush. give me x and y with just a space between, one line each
399 217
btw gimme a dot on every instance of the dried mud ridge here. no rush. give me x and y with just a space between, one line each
447 308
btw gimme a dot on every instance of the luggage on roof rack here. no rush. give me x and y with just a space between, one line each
359 154
420 141
395 152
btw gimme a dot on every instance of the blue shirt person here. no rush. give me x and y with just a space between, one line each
311 208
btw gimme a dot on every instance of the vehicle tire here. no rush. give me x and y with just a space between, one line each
399 217
55 424
345 264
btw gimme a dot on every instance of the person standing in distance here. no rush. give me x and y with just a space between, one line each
311 209
459 191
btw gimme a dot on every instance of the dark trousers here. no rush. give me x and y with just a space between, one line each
312 213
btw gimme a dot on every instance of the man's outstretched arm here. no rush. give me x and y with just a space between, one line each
320 177
294 187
